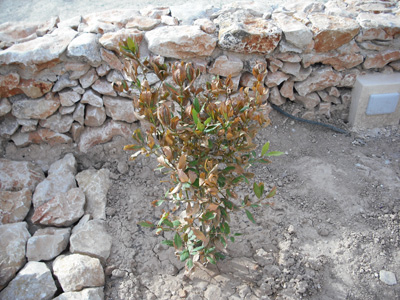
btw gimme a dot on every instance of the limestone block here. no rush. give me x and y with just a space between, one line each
76 272
143 23
8 125
309 101
79 114
180 41
92 239
33 282
275 97
206 25
99 135
276 78
320 79
95 185
13 238
103 87
170 21
287 89
378 26
119 109
155 12
76 69
85 47
111 59
226 66
14 206
23 139
111 40
69 98
85 294
95 116
58 123
88 79
36 109
338 61
106 21
331 32
5 106
40 50
47 243
379 60
17 175
64 209
93 98
63 82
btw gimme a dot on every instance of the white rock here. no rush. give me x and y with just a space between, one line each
120 109
8 126
95 185
16 175
14 206
88 79
33 282
95 116
85 294
79 114
63 82
76 271
47 243
225 66
85 47
69 98
13 238
387 277
93 98
92 239
58 123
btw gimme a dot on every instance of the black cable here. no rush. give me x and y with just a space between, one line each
331 127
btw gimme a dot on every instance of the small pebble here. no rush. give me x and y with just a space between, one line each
387 277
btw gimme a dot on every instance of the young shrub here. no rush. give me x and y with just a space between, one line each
202 137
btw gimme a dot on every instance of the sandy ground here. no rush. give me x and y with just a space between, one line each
334 226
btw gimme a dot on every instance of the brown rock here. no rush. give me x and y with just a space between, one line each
14 206
291 68
331 32
5 106
378 26
120 109
111 40
40 136
64 209
180 41
95 116
98 135
225 66
104 87
276 78
57 123
111 59
31 88
338 61
17 175
288 57
8 83
380 60
309 101
36 109
274 64
76 131
142 23
206 25
248 34
275 97
287 89
325 109
247 79
320 79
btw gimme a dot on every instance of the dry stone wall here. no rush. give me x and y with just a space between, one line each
55 77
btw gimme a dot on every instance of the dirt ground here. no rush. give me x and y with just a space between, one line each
334 225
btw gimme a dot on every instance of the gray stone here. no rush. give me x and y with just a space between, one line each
63 82
64 209
8 126
104 87
85 294
95 185
36 109
226 66
309 101
67 110
14 206
95 116
47 243
88 79
33 282
92 239
13 238
320 79
93 98
5 106
69 98
387 277
76 271
187 13
85 47
42 135
58 123
120 109
79 114
180 41
17 175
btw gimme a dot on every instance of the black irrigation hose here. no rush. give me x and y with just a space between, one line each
308 121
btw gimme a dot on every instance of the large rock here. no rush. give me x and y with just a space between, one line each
276 78
88 79
93 98
14 206
64 209
240 32
36 109
95 185
30 87
188 12
13 238
320 79
180 41
120 109
33 282
295 32
58 123
8 126
381 59
47 243
91 239
76 271
103 87
226 66
378 26
105 21
17 175
338 61
309 101
23 139
331 32
143 23
95 116
63 82
111 40
111 59
85 47
69 98
40 50
60 179
99 135
5 106
85 294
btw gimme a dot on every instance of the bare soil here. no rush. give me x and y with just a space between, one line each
334 225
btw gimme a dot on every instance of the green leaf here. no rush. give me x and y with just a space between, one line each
209 215
245 108
272 192
197 249
168 243
232 239
237 234
275 153
168 223
227 229
194 163
211 260
264 161
227 169
258 189
219 256
189 263
146 224
206 122
196 104
250 216
176 223
223 242
177 241
221 181
237 179
195 115
265 149
159 202
131 45
184 255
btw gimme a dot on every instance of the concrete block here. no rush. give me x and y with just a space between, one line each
375 101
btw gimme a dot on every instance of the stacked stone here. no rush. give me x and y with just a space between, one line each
64 237
55 78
